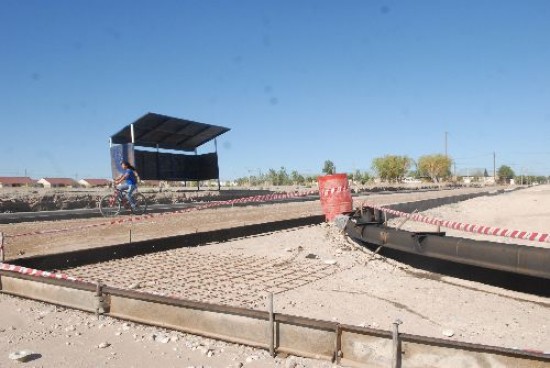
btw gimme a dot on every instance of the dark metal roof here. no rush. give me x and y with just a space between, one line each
155 130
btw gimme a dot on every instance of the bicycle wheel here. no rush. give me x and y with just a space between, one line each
109 205
140 204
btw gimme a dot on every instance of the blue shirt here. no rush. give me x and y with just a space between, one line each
130 177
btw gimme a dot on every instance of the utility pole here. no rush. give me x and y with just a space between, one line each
495 167
446 144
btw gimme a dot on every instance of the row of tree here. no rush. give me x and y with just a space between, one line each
389 168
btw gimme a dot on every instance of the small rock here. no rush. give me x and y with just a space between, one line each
290 363
330 262
104 345
21 356
163 339
252 358
448 333
312 256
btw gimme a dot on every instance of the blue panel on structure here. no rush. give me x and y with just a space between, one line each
119 153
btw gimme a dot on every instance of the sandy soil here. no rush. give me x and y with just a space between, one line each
359 289
525 210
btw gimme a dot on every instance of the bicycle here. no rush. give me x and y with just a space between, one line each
111 204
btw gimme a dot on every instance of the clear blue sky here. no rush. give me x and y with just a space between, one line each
298 82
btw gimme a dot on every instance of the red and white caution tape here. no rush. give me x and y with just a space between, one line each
471 228
38 273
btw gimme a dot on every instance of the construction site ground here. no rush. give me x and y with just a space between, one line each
314 271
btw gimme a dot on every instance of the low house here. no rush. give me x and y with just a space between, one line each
95 183
16 181
58 183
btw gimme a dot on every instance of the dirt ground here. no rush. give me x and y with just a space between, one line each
83 233
345 284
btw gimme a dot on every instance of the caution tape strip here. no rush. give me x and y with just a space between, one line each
471 228
39 273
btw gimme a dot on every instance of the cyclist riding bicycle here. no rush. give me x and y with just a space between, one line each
127 181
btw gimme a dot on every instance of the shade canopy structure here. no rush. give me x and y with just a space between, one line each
167 132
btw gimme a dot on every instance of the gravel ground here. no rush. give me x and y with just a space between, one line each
358 288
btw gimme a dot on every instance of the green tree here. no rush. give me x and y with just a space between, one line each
295 177
356 176
505 174
360 177
329 168
391 167
436 166
272 177
282 177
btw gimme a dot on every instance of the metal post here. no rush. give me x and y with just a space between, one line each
446 155
99 300
1 247
198 181
271 325
396 356
337 345
494 168
216 150
132 133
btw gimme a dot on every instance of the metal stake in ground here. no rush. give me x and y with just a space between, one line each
271 325
2 247
396 353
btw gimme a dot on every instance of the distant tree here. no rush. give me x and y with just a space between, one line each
297 178
391 167
436 166
282 177
356 176
360 177
329 168
272 177
366 178
505 174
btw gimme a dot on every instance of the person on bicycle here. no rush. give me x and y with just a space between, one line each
127 181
